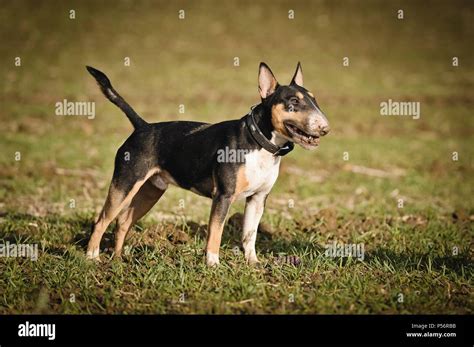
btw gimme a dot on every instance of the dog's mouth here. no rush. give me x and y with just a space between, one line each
301 137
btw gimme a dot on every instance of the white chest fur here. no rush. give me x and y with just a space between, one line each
261 172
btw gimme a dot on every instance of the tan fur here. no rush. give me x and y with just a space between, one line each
216 226
141 203
114 203
216 222
242 182
279 115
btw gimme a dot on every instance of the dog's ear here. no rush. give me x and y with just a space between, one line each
298 77
267 83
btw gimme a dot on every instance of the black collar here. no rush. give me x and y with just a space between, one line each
262 140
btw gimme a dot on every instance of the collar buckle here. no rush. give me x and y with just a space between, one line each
287 148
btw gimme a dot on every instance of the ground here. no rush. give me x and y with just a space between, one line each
400 186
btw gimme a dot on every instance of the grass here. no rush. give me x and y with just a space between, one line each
422 251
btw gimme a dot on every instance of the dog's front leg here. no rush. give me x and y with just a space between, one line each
254 207
220 207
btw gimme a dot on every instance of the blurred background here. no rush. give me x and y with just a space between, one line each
347 190
190 61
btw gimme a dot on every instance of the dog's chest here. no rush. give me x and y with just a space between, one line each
261 171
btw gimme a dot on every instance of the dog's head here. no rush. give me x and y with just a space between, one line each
295 114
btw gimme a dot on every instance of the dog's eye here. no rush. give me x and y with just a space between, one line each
294 100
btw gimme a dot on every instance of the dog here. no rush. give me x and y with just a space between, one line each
185 154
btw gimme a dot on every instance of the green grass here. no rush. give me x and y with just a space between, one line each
409 250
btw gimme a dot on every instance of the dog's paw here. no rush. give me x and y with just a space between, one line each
253 261
212 259
93 255
251 256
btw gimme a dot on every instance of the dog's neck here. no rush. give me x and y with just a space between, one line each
263 118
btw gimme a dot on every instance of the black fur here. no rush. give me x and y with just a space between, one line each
188 150
186 153
112 95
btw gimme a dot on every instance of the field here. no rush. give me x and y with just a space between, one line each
401 187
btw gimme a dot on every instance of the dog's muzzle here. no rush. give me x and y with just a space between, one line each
318 125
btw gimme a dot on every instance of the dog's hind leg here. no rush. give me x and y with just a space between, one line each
141 203
121 192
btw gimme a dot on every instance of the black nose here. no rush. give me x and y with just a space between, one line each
324 130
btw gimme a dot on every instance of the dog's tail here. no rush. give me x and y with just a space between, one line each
112 95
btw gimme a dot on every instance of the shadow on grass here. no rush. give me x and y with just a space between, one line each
77 229
55 231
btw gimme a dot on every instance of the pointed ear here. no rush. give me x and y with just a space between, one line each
298 77
267 83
